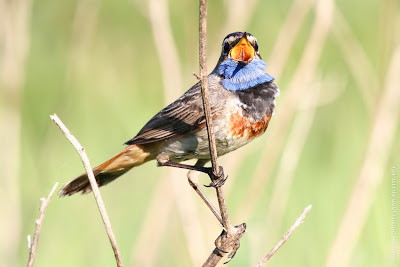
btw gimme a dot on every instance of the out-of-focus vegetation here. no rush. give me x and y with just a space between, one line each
105 67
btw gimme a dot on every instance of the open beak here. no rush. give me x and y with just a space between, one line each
243 50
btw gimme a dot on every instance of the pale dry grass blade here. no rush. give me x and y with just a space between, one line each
154 225
83 29
288 32
166 48
354 56
333 85
93 183
299 84
291 155
32 245
372 170
388 30
172 83
278 58
192 223
298 135
286 236
15 19
236 19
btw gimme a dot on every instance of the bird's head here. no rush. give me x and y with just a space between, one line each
239 46
240 64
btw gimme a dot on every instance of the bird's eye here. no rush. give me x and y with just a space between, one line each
256 46
226 48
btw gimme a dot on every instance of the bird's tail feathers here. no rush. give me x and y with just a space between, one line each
130 157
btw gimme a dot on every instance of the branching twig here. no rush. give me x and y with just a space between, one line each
204 84
229 239
93 184
32 246
207 109
285 237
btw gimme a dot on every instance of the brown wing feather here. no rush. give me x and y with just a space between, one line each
183 116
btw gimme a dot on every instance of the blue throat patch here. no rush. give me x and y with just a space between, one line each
241 76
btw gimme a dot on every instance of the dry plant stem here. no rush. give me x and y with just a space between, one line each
205 199
207 110
224 243
32 246
285 237
229 238
204 83
163 160
196 188
94 186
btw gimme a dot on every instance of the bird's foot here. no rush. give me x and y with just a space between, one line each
220 241
223 239
217 180
233 252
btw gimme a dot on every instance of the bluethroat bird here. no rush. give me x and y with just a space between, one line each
242 100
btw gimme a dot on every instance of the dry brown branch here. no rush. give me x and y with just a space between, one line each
235 19
286 236
229 239
224 243
32 246
372 170
93 183
204 83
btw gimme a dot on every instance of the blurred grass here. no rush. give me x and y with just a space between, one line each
94 63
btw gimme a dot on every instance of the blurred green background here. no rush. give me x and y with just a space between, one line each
106 67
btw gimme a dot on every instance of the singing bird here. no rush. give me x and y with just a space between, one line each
242 99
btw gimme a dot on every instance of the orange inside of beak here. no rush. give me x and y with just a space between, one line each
243 51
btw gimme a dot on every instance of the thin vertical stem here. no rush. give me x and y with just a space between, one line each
93 184
207 109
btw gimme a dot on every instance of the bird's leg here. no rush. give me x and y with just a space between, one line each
217 180
162 163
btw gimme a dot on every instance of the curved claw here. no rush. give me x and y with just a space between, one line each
218 183
217 180
233 253
220 249
220 174
218 242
